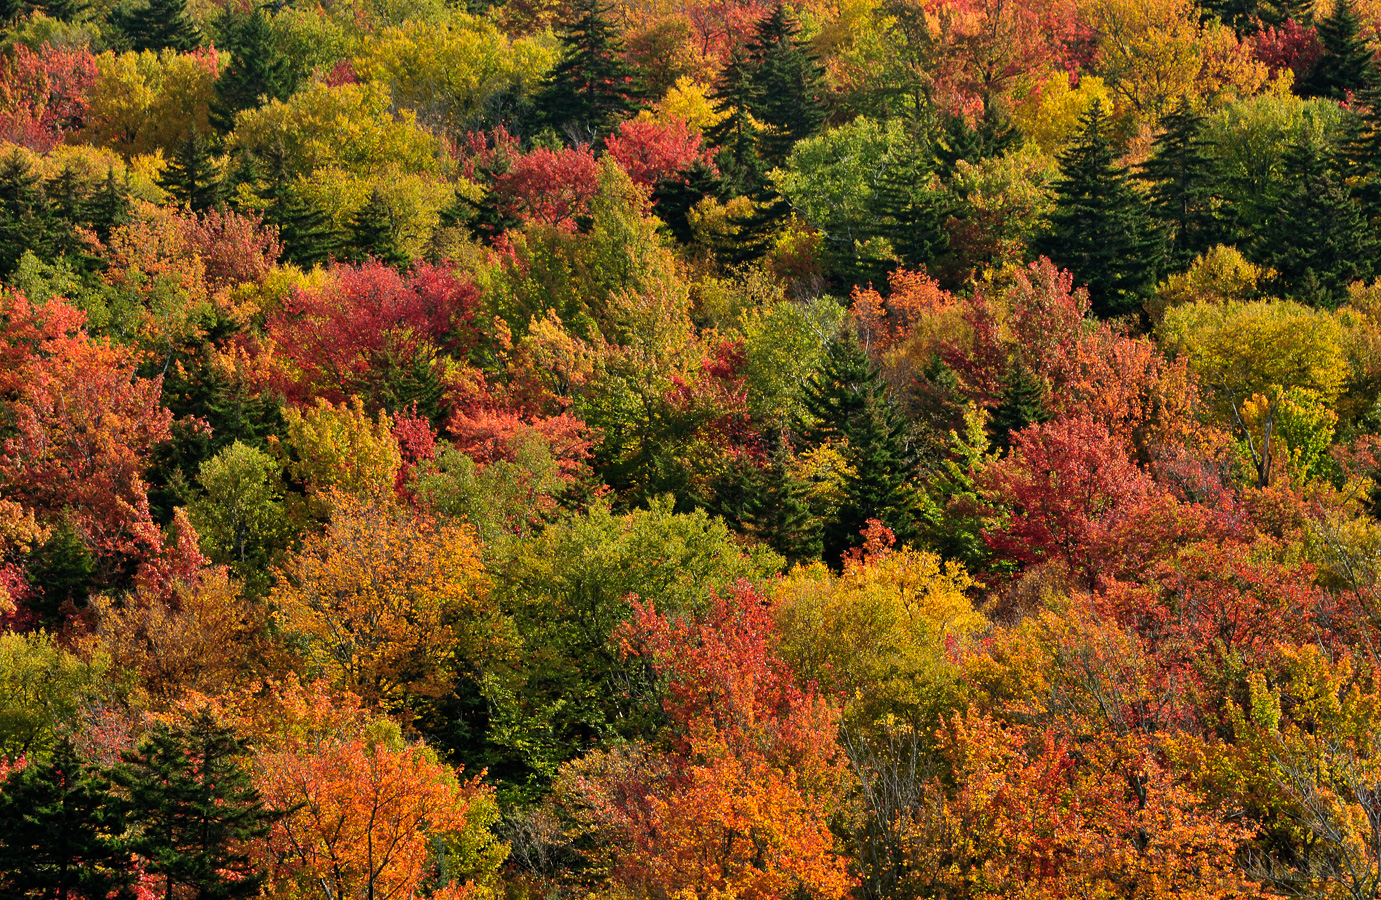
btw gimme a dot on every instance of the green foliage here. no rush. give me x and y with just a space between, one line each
240 515
847 405
258 70
196 807
43 692
191 176
1347 65
373 233
1183 174
590 89
1101 230
157 25
564 688
60 832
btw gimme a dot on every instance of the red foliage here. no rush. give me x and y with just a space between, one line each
84 426
1291 46
885 323
549 187
236 249
44 94
368 324
343 72
1066 483
651 151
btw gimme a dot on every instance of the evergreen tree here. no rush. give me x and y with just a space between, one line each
591 89
1101 230
992 136
788 85
191 175
196 809
911 215
158 25
737 134
1022 404
67 198
374 233
848 405
258 70
60 832
26 217
777 510
1182 174
108 207
1346 65
1317 243
307 234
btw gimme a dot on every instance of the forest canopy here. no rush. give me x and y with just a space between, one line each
713 450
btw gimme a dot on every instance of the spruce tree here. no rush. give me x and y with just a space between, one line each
1101 230
67 198
257 72
26 217
1346 65
373 233
788 86
108 207
1317 242
1023 403
196 809
191 175
911 215
60 832
591 89
776 509
307 234
737 134
848 405
158 25
1182 173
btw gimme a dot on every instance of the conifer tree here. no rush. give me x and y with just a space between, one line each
1101 230
992 136
1182 175
67 197
848 405
191 175
777 510
1317 242
158 25
307 234
257 72
1022 404
108 207
196 809
26 217
910 215
788 85
591 89
374 233
60 832
737 134
1346 65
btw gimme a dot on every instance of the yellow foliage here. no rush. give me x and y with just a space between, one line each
145 102
351 126
340 450
689 99
876 635
1050 116
1220 275
385 601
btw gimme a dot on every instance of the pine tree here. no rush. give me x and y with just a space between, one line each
373 233
911 215
67 197
258 71
191 175
1346 65
591 89
848 405
196 809
60 832
992 136
158 25
1022 404
788 86
1318 240
1182 173
1101 230
26 217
